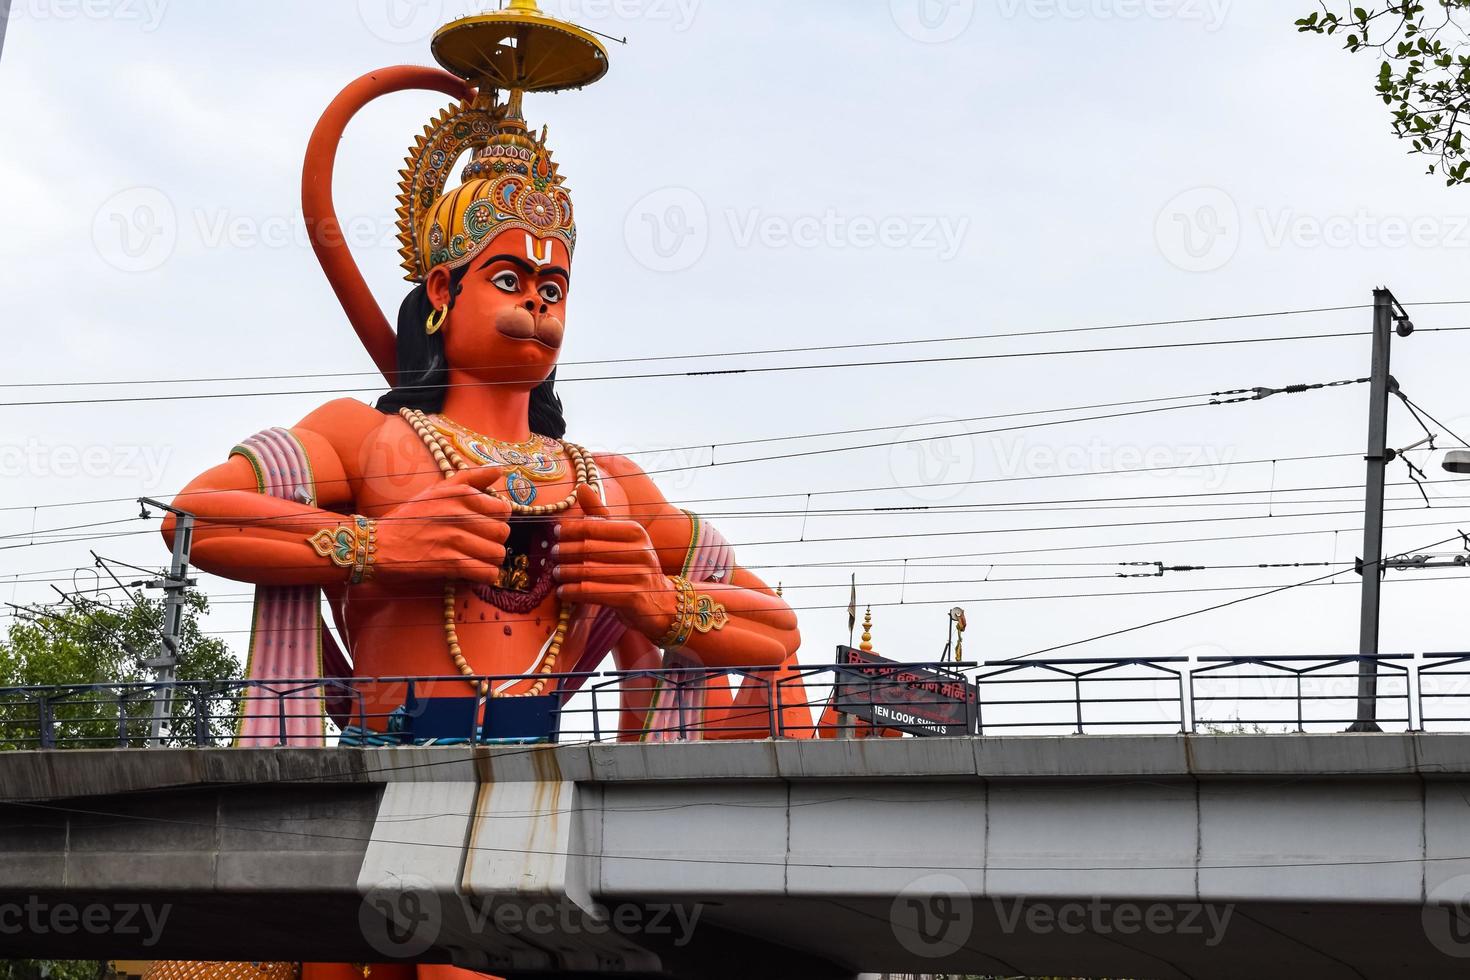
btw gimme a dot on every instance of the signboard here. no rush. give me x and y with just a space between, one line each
923 701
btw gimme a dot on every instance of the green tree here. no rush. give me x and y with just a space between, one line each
53 970
92 652
90 643
1423 77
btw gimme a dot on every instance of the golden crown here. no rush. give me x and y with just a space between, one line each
511 180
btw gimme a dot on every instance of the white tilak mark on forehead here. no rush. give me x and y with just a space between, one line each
544 258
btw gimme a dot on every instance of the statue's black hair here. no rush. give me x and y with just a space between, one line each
423 368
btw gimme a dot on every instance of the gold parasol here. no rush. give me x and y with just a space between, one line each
520 49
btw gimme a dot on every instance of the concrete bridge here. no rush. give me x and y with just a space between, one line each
1164 857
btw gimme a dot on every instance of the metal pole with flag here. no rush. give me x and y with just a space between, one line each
852 611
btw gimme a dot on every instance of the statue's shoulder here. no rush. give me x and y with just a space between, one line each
346 423
619 467
344 413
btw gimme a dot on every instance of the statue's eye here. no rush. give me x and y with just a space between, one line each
551 292
508 282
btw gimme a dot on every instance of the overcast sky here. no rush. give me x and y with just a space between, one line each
761 175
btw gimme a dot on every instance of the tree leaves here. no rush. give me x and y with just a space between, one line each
1422 78
93 643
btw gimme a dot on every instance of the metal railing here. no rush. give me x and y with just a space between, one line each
1134 695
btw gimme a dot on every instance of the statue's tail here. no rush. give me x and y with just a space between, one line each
327 239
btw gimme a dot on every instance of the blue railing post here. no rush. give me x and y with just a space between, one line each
1300 726
596 722
48 728
773 698
201 718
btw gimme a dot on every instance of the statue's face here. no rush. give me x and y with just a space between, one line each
509 316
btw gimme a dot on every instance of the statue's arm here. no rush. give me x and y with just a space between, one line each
448 530
625 556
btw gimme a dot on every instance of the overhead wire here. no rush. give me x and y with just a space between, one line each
722 355
736 371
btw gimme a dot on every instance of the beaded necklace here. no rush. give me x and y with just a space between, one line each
451 461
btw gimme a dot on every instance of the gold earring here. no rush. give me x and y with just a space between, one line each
436 320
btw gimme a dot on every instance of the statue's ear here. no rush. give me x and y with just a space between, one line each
439 288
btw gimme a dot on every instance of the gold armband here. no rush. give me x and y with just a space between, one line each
695 613
353 547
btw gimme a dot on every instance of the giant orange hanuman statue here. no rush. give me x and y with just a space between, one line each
454 530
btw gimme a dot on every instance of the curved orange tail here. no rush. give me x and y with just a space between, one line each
327 239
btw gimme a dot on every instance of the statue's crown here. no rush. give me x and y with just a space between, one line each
510 181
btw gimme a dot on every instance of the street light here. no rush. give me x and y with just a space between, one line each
1457 461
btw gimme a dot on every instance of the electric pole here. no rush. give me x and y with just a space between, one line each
1386 310
174 585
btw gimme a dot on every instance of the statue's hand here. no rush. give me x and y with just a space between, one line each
453 530
612 563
